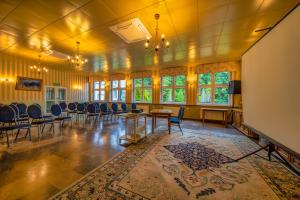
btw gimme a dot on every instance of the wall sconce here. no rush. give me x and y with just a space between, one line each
77 87
6 80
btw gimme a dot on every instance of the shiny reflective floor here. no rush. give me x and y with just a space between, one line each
40 169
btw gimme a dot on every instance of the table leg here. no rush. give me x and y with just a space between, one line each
169 124
226 118
152 123
203 117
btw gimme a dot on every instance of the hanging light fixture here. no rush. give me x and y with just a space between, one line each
159 42
78 61
39 68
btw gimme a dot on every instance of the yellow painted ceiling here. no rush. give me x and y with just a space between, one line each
200 31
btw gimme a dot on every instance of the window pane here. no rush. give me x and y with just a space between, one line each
221 95
96 95
204 79
167 80
102 95
138 94
179 95
102 84
222 78
138 82
96 85
114 95
122 95
115 84
204 95
148 82
148 95
122 84
167 94
180 80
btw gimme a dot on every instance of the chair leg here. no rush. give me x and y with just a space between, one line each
7 139
180 129
29 132
17 135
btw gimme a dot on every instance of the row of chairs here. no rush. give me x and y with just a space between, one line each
18 116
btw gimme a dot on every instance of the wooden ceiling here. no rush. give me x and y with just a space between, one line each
200 31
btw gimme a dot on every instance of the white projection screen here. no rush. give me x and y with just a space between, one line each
271 83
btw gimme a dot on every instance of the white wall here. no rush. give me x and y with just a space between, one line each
271 83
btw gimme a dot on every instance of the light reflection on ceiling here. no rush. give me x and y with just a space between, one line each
199 30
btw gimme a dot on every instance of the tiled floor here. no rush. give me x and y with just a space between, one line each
39 170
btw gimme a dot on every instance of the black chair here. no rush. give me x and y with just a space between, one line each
133 106
177 120
72 107
57 112
22 110
39 120
97 105
81 110
92 111
115 109
9 122
105 111
124 108
63 106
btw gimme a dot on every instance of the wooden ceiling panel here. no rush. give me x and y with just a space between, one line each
198 30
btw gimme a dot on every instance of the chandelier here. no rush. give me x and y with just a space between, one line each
77 60
38 68
158 43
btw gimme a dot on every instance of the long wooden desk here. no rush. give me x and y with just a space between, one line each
224 112
161 112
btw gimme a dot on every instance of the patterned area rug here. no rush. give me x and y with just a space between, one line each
197 165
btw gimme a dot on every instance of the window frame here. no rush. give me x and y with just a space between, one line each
143 87
99 89
119 89
173 87
212 87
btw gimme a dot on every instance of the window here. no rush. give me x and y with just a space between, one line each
173 89
99 91
142 90
118 90
213 88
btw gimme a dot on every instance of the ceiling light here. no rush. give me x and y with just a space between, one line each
38 67
158 43
78 59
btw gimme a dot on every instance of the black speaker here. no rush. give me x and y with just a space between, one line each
234 87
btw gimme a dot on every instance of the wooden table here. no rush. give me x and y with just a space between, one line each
224 112
134 132
161 112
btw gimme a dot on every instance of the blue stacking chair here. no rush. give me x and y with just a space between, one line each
105 111
81 110
63 107
56 111
133 106
177 120
39 120
115 109
22 110
124 108
17 112
93 111
8 120
97 105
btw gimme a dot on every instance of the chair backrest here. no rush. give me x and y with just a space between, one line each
91 108
56 110
7 114
133 106
34 111
103 107
16 109
63 106
22 108
97 105
114 106
124 106
72 106
80 107
181 112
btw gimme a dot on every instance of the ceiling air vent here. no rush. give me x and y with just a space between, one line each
131 31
